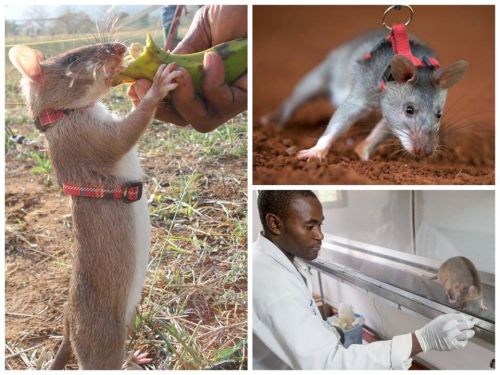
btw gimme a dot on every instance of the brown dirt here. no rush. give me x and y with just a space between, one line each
290 41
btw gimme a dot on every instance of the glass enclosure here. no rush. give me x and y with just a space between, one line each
402 239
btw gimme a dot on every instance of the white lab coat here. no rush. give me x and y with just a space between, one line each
289 332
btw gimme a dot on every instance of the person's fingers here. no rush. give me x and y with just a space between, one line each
465 335
166 112
466 324
215 89
459 317
226 100
133 95
141 87
185 100
241 82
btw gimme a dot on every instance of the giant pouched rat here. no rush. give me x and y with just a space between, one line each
93 152
461 282
411 102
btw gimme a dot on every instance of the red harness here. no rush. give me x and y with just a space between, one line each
401 46
50 116
129 192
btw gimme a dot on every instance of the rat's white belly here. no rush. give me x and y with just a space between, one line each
129 169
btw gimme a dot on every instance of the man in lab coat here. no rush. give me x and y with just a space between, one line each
288 330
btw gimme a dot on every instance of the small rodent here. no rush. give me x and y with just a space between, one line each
410 103
462 285
90 146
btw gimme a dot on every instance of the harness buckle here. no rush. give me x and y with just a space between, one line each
132 191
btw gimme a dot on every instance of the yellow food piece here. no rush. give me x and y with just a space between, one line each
233 54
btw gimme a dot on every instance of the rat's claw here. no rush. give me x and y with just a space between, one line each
141 358
135 360
312 153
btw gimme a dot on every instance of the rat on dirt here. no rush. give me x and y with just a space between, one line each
93 152
410 103
462 285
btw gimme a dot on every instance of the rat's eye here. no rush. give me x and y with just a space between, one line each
438 114
71 59
410 109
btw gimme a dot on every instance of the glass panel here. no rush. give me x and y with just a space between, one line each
404 238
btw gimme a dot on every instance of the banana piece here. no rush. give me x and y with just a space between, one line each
233 53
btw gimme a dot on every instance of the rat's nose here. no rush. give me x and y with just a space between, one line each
119 49
422 151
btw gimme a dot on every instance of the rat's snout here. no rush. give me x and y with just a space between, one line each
422 143
112 50
118 49
422 151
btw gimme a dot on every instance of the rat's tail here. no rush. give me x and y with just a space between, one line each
64 353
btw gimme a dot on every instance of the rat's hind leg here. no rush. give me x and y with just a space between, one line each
100 345
99 342
315 83
377 135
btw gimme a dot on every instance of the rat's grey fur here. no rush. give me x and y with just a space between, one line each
353 85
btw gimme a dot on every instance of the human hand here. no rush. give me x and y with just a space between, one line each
219 102
446 332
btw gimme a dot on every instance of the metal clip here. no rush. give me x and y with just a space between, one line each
396 7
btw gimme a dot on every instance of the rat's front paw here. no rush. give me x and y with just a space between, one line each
314 152
163 81
362 151
135 360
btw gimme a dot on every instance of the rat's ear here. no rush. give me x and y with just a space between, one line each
27 61
402 69
447 77
273 223
472 292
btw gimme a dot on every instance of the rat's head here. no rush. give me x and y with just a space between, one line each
413 103
461 295
73 79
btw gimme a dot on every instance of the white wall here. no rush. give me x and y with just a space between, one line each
451 223
379 217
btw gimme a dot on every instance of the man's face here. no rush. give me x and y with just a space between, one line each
301 233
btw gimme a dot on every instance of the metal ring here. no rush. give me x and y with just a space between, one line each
397 7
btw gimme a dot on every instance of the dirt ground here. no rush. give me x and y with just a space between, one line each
290 41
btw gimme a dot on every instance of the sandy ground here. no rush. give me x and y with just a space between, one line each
290 41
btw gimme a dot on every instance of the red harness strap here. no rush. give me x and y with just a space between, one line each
401 46
129 192
51 116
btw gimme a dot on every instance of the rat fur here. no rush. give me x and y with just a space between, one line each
91 146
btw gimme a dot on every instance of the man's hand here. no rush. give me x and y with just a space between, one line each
211 25
446 332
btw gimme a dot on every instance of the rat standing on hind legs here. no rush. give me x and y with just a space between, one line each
396 76
93 154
